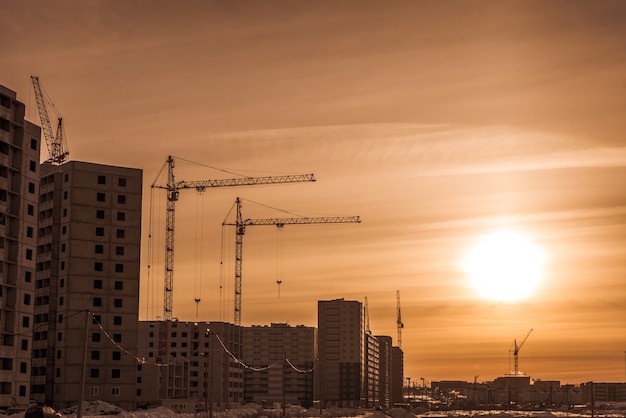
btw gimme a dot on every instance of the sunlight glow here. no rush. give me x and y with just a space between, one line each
504 265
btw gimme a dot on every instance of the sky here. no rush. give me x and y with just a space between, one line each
435 122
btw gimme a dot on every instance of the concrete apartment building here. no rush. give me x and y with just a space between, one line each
341 372
603 392
384 370
371 382
189 365
19 180
517 390
87 284
268 372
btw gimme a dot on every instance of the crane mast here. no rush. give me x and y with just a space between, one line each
516 350
173 187
240 226
399 323
57 148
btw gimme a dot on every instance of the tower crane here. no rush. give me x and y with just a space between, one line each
516 349
399 323
57 148
173 187
240 227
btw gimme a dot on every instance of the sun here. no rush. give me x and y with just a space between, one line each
504 265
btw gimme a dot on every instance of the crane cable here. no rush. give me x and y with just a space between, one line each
279 256
223 268
199 249
149 254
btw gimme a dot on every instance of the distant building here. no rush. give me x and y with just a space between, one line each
546 392
190 365
397 375
342 364
19 181
87 274
269 373
603 392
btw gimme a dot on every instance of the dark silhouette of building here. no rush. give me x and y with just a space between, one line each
341 371
397 375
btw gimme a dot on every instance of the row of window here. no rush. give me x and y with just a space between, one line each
96 337
117 303
115 355
100 231
5 101
100 196
99 266
93 390
115 373
100 214
121 181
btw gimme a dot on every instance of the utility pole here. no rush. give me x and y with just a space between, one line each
79 408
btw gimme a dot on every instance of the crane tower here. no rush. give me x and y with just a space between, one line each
240 227
173 187
57 148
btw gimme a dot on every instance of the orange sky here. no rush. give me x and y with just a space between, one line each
433 121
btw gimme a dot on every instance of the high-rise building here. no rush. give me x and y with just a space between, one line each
341 371
372 367
397 375
19 180
280 357
87 284
384 379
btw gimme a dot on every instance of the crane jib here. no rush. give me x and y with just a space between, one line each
244 181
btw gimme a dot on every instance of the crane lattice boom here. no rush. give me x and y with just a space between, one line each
57 149
241 224
303 220
201 185
173 188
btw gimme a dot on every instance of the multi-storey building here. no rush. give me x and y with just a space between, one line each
280 358
372 369
397 375
87 284
604 392
341 372
384 370
19 180
190 365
